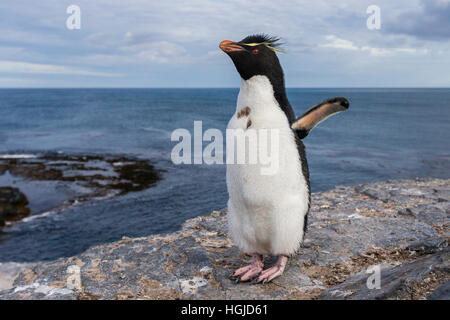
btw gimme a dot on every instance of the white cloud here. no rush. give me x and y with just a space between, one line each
141 39
6 51
338 43
7 82
160 51
36 68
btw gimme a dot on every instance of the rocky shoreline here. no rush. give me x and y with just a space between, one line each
401 226
50 181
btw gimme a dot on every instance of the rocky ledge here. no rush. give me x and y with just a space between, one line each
400 226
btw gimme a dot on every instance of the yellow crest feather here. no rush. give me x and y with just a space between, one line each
267 44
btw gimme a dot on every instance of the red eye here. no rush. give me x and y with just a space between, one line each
255 51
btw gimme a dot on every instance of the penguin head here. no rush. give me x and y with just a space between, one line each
254 55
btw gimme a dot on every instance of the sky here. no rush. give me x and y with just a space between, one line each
174 43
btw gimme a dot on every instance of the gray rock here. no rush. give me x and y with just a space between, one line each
13 205
9 271
399 282
441 293
428 245
350 229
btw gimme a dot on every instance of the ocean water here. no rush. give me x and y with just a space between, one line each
386 134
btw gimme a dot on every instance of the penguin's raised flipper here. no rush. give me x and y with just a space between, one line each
316 114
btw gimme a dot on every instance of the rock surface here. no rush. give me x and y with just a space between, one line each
400 226
13 205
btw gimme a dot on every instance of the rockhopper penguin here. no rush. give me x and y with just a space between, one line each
267 214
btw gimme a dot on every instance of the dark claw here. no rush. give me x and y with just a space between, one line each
254 280
232 277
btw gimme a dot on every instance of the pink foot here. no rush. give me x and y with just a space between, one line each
276 271
249 272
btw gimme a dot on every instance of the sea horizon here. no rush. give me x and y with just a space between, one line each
225 87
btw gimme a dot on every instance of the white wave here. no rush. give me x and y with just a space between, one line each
18 156
38 216
109 195
152 129
67 205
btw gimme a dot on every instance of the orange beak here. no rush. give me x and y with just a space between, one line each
230 46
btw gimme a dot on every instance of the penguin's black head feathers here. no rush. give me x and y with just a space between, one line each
255 55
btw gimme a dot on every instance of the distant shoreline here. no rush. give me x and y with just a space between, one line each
88 177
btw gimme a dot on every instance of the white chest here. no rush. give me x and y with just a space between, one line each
266 212
256 102
258 110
